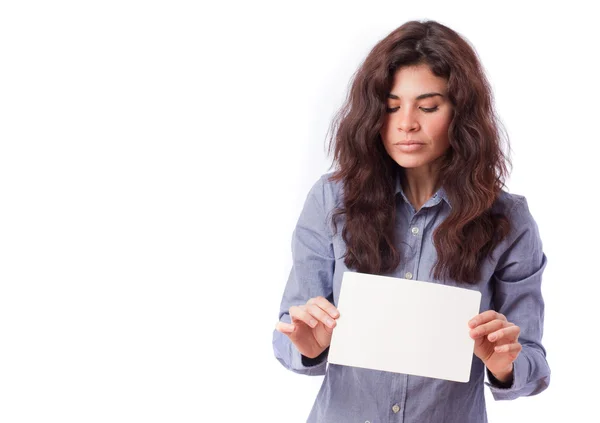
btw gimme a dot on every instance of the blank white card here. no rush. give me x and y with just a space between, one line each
404 326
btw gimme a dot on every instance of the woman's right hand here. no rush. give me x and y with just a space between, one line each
311 327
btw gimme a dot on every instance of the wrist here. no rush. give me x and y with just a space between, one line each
504 376
313 361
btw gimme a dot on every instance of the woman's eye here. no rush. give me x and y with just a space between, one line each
426 110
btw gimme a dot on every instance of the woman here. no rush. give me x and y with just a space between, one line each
419 195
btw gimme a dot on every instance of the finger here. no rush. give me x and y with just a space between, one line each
509 333
509 348
298 314
285 328
487 328
320 315
325 305
485 317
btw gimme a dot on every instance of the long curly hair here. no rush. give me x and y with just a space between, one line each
473 169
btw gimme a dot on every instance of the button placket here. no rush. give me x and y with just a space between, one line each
422 219
414 229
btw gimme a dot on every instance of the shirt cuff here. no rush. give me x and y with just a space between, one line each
497 383
289 356
311 362
502 391
309 366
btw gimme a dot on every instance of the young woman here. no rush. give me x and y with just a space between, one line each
418 194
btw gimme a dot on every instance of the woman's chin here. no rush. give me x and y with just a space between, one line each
409 163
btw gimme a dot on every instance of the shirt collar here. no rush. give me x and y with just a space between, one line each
437 197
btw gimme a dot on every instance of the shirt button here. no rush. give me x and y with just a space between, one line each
395 408
415 230
408 275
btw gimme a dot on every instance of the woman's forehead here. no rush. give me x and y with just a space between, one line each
416 82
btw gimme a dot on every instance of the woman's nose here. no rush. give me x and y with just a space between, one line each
407 121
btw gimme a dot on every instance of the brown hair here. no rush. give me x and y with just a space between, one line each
472 170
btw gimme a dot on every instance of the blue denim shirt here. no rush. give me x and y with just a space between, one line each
510 284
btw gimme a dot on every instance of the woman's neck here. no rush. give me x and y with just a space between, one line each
419 184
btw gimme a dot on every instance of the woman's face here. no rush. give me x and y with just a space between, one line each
415 130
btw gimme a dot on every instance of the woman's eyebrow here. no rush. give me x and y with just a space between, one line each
420 97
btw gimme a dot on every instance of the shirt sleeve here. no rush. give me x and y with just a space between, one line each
517 295
311 275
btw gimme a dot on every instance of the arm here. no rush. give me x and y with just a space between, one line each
517 295
311 276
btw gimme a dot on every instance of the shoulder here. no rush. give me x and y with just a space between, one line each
323 198
514 207
523 236
506 202
326 192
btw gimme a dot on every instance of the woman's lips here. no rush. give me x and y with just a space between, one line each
410 147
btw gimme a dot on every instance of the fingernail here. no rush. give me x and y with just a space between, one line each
313 323
329 322
493 337
472 323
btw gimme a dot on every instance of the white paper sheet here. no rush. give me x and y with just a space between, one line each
404 326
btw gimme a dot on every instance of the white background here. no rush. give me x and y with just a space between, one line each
154 159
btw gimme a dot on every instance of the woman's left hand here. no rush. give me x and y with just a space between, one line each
496 342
